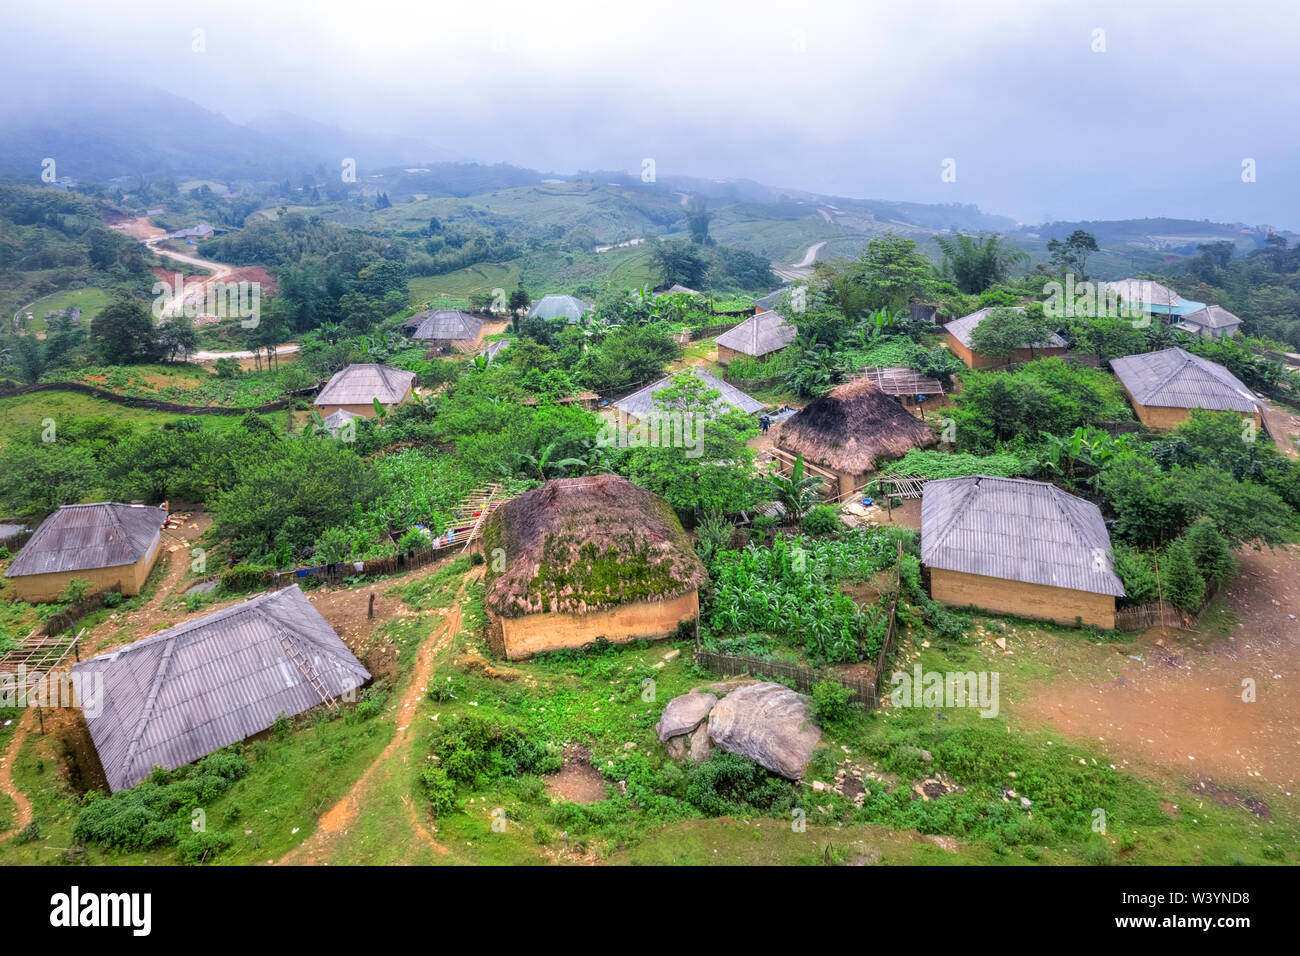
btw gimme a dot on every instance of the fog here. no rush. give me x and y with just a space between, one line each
1044 116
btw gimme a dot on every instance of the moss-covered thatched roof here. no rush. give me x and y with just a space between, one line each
581 544
853 426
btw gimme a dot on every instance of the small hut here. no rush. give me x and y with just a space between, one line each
845 433
445 329
107 544
587 558
555 306
1165 386
763 334
355 389
961 344
168 699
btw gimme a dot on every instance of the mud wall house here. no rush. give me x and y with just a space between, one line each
445 329
1018 547
759 336
1164 387
640 405
849 431
355 388
959 343
587 558
555 306
107 544
180 694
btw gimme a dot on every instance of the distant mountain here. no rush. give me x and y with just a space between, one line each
309 137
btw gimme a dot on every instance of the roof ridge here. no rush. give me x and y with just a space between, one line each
155 685
971 486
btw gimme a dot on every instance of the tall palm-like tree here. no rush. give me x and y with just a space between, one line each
797 493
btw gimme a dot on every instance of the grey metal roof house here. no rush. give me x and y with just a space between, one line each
337 419
962 328
556 306
362 384
1016 530
758 335
1213 321
677 289
447 325
494 349
640 405
772 300
84 537
180 694
1175 378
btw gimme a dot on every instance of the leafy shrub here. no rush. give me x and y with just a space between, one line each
1210 552
28 834
1184 583
75 591
280 726
440 789
333 545
475 750
831 701
729 784
245 577
112 598
201 846
1135 572
822 520
417 539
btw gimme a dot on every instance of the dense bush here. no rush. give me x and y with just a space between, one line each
728 784
474 751
822 520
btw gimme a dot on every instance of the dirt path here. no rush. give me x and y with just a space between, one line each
1175 700
1284 426
334 825
24 812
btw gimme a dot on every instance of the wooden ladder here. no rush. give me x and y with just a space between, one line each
307 668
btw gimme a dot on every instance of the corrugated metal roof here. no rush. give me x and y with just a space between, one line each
448 324
1142 292
495 348
759 334
1016 530
641 405
180 694
362 384
81 537
962 328
555 306
1175 378
1212 317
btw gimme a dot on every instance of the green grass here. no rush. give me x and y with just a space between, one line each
23 414
90 300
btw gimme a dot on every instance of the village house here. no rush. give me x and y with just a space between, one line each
356 388
1021 547
445 329
168 699
1150 298
587 558
640 405
107 544
759 336
494 349
844 435
1165 386
960 344
556 306
1210 322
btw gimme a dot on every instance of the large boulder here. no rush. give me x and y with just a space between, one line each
683 714
767 723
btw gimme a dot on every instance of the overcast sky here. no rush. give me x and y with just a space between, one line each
1043 115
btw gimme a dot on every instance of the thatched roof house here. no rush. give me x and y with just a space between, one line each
1018 547
107 544
356 387
759 335
1165 386
180 694
849 430
587 558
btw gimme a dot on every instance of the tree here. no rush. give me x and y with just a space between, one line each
893 272
680 264
797 493
1183 584
976 263
123 332
1211 552
41 476
1005 330
1071 255
178 337
697 220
